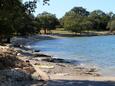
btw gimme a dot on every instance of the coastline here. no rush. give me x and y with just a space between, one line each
48 59
48 68
59 69
83 34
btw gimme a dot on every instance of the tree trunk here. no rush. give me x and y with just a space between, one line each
8 40
45 31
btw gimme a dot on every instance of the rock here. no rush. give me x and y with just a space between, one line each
18 54
2 77
92 70
1 66
16 74
27 61
97 74
41 55
48 59
35 76
58 60
30 70
19 51
36 50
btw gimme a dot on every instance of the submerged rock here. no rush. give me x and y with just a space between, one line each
58 60
36 50
47 59
41 55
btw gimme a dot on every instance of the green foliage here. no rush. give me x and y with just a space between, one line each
8 14
61 23
48 21
30 6
86 24
74 19
16 18
79 19
111 25
99 19
80 11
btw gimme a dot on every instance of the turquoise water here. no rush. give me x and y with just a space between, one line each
98 51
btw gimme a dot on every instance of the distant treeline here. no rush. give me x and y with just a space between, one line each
78 19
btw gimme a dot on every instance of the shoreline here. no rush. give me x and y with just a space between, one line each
47 37
84 34
54 69
59 69
37 38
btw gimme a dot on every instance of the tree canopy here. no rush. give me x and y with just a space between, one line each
111 25
16 18
48 21
78 19
73 20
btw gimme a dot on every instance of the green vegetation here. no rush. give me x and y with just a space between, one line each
79 20
111 25
47 21
17 19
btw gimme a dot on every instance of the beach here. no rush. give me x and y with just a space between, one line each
45 70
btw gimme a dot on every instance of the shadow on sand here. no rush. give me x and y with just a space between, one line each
79 83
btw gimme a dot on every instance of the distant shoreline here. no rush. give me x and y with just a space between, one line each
83 34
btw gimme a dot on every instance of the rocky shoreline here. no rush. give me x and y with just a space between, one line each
15 71
23 66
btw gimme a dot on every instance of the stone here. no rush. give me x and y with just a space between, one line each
35 76
92 70
41 55
48 59
30 70
36 50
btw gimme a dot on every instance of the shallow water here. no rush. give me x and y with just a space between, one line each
96 51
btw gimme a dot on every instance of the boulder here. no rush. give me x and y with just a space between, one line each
48 59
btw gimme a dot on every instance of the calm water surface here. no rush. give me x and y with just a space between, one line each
98 51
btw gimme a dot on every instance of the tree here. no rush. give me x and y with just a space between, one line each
48 21
73 20
8 13
30 6
99 19
15 17
86 24
26 26
111 15
80 11
61 23
111 25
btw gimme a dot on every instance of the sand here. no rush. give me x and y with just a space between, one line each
61 73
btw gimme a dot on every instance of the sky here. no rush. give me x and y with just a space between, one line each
60 7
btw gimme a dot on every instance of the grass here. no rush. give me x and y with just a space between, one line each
61 31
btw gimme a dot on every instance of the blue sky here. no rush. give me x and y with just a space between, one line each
59 7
